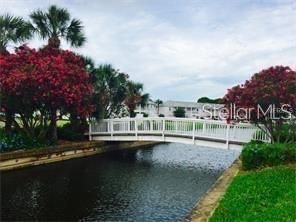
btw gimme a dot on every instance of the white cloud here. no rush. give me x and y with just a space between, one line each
183 51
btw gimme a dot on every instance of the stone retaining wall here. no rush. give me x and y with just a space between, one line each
26 158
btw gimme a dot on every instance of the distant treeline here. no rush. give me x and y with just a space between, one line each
208 100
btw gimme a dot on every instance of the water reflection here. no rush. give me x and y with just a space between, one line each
160 183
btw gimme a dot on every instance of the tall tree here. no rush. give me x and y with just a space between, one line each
79 123
42 82
12 30
56 24
269 99
110 91
135 96
158 103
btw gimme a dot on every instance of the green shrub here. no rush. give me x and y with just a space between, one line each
179 112
288 133
69 132
257 154
16 140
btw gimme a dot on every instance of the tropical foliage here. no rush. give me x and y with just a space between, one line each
39 86
110 91
270 98
56 24
135 96
158 102
42 82
13 30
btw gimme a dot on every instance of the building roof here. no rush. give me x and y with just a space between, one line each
171 103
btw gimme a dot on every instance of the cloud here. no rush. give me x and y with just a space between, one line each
182 50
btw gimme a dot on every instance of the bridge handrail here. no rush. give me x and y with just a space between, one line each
177 126
176 118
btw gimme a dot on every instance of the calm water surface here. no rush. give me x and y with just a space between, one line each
161 183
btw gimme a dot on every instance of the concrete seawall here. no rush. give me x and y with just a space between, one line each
26 158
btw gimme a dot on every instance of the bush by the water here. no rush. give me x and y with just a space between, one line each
69 132
15 140
257 154
288 133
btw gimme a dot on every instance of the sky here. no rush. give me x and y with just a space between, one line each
180 49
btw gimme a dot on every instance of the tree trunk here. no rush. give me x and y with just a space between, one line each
53 135
54 42
9 117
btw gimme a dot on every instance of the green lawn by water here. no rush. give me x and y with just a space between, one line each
60 123
265 195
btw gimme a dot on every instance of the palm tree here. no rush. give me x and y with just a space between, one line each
158 103
110 91
13 30
135 96
55 24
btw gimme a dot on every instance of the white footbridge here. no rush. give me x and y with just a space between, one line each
211 133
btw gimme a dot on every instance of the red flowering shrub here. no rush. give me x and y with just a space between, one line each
40 82
269 98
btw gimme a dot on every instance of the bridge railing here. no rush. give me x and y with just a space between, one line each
195 128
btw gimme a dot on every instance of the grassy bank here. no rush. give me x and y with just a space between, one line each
263 195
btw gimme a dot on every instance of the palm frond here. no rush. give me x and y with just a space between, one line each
74 33
55 23
13 29
42 26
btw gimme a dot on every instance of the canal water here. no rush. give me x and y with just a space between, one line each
161 183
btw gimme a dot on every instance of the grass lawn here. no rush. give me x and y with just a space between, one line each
60 123
263 195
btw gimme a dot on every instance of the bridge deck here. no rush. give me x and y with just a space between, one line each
195 131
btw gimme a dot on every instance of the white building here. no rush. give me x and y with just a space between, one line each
192 109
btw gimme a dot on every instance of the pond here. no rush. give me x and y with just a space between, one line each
160 183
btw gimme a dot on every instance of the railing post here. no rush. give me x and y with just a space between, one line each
136 129
227 135
203 128
89 130
193 133
151 125
163 128
111 127
234 131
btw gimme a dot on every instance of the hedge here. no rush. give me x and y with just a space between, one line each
257 155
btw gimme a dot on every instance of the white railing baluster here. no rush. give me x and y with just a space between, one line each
193 132
111 127
136 129
89 130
